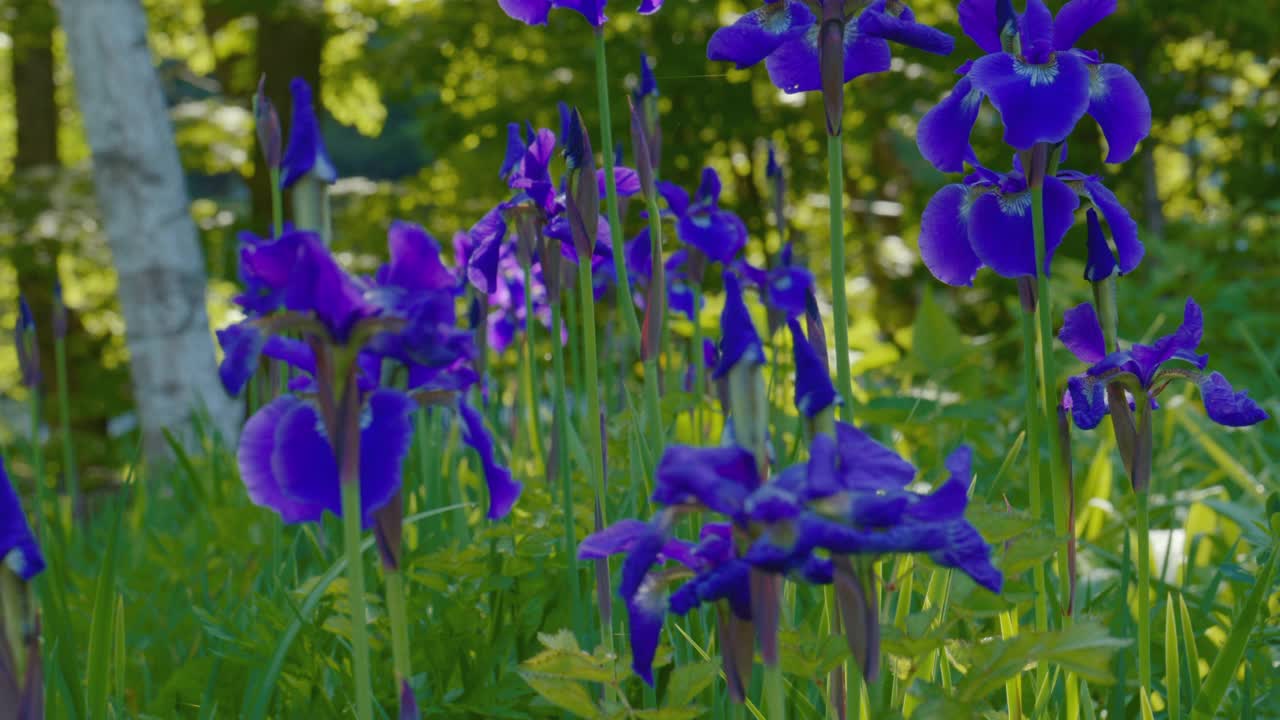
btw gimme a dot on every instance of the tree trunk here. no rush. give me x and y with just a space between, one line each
143 199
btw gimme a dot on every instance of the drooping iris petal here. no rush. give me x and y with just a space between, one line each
1000 228
1100 262
944 237
384 441
739 342
242 345
865 464
677 197
530 12
646 602
255 460
1182 343
814 391
1038 103
1088 402
965 550
503 489
1120 106
978 20
486 238
754 36
18 547
903 29
305 153
943 135
719 478
617 538
1226 406
864 54
770 504
1124 229
788 289
1076 17
625 179
515 148
1082 334
794 66
415 260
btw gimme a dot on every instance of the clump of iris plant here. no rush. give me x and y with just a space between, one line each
814 522
19 550
20 562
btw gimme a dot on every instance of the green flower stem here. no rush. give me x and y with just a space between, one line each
839 303
562 467
64 411
1048 376
1144 587
37 462
775 693
699 371
1104 299
625 302
591 423
653 365
277 203
529 371
1034 433
355 587
394 589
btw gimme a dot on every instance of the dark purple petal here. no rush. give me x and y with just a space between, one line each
719 478
739 340
384 441
1124 230
305 154
943 135
1182 343
627 181
530 12
1121 107
965 550
1227 407
1088 401
1035 29
1082 334
978 20
677 198
865 464
592 10
754 36
1037 103
18 547
770 504
944 237
515 150
617 538
794 66
730 581
1076 17
1000 228
864 54
788 289
814 391
242 345
503 489
255 460
415 259
945 504
486 241
649 7
903 29
1100 262
719 234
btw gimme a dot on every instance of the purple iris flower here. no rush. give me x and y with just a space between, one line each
740 342
535 12
784 33
1038 82
18 548
785 288
814 391
1148 369
405 314
305 153
719 234
986 221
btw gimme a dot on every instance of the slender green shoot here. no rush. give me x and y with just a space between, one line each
839 301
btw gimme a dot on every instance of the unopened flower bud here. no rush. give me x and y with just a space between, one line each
267 126
24 339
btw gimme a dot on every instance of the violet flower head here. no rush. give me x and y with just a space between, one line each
740 342
784 34
18 547
536 12
1145 370
1039 83
24 339
719 234
305 154
814 391
986 221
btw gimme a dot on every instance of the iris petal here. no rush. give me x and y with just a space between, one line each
1076 17
1121 107
903 29
503 489
18 547
944 237
943 135
530 12
1226 406
1088 402
1124 229
1000 228
1082 334
1037 103
978 20
755 35
254 458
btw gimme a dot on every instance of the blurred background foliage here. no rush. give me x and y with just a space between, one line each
419 92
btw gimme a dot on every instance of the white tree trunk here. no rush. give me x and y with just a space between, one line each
143 199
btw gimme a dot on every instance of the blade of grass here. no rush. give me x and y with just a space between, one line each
1172 661
1189 647
98 668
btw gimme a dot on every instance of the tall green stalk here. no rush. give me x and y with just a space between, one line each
562 467
1144 588
626 306
64 412
591 423
529 371
277 203
355 595
1034 432
37 460
393 583
653 365
839 302
1049 385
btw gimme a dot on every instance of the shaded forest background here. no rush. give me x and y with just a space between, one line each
417 95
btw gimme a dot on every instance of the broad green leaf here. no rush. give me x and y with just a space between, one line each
1084 649
687 681
568 694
